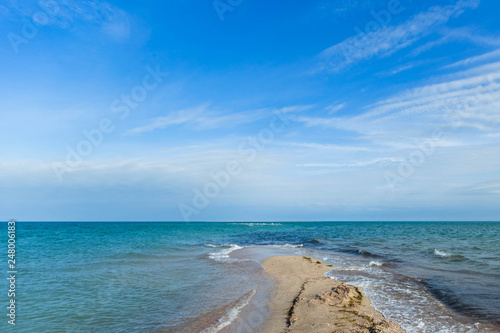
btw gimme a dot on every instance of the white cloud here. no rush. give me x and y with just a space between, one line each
389 39
457 176
459 34
198 118
114 21
402 68
488 188
323 146
202 117
473 60
465 104
384 161
335 108
295 108
269 181
174 118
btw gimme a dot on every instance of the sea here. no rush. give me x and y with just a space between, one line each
207 277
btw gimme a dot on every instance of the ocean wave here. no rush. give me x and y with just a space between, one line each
223 255
408 301
365 253
443 254
357 268
253 224
285 245
356 251
376 263
231 314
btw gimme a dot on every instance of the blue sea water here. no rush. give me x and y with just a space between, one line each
194 277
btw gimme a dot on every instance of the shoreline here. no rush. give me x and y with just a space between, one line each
305 300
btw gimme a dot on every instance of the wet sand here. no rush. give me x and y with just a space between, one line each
304 300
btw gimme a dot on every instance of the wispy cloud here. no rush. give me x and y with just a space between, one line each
357 164
335 108
202 117
458 34
492 187
465 102
477 59
389 39
114 22
192 115
402 68
324 146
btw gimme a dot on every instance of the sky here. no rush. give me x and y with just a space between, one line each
239 110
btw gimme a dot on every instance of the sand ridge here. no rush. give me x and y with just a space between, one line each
305 300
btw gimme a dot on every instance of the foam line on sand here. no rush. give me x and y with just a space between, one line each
305 300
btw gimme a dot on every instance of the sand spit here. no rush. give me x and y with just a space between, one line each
304 300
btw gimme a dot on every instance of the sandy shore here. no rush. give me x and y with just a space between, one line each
304 300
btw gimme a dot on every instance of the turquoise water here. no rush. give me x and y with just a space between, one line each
166 277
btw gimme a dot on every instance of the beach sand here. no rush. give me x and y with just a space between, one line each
304 300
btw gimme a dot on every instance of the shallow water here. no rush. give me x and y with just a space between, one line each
165 277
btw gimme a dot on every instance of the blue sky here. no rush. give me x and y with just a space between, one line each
250 110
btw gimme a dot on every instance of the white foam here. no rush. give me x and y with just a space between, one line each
253 224
441 253
405 303
286 245
376 263
223 255
352 268
230 315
